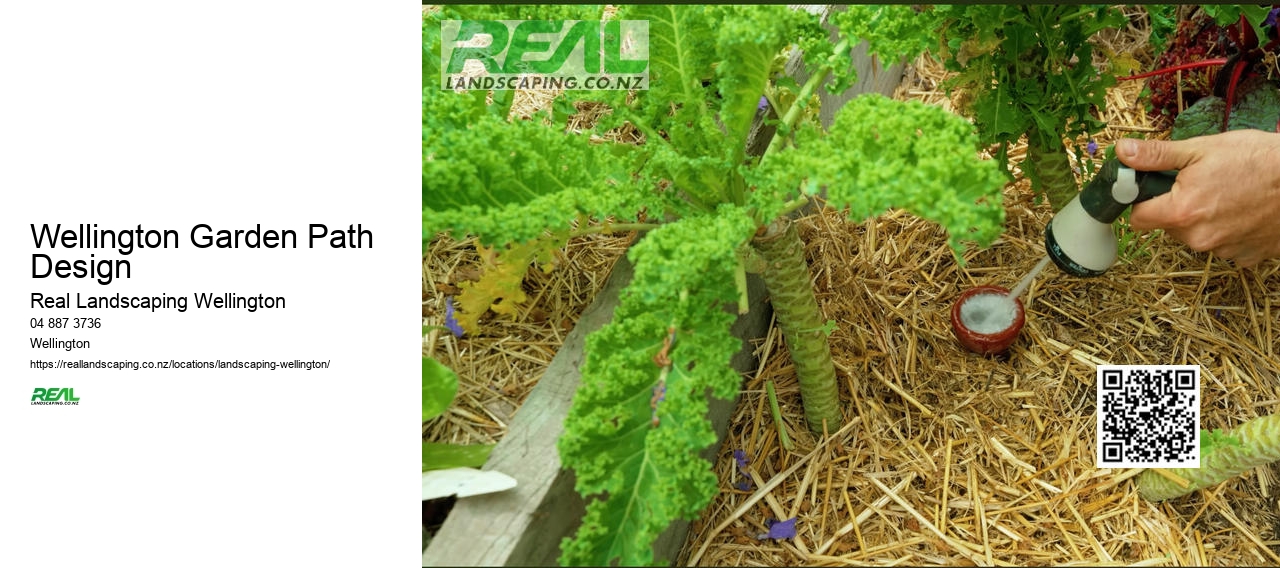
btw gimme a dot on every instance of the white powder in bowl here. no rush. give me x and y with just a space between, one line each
988 313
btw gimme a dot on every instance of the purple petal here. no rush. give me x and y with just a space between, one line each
780 529
1271 17
1092 147
741 457
450 321
763 104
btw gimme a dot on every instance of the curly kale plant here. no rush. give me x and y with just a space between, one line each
1022 70
711 212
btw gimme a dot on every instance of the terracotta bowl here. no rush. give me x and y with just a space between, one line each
986 343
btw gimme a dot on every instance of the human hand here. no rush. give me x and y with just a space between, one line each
1227 195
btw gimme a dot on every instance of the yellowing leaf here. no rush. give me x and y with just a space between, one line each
499 288
1124 64
975 47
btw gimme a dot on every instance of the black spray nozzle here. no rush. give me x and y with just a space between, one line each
1107 196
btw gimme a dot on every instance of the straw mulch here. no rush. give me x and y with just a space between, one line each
948 457
497 367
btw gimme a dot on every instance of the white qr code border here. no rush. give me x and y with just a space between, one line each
1110 379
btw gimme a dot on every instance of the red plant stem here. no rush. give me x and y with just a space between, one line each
1175 68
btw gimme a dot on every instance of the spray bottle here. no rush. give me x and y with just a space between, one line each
1080 239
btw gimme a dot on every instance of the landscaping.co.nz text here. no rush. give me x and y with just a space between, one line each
512 82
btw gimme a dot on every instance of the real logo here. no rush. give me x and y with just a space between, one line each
54 395
542 54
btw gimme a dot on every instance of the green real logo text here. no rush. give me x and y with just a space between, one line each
54 396
544 54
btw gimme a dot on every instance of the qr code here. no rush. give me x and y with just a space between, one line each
1148 416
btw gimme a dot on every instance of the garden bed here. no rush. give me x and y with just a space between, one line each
952 458
947 457
996 454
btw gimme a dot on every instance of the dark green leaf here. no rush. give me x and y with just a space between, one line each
1257 106
1164 23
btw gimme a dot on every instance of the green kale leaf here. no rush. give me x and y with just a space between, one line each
882 153
633 447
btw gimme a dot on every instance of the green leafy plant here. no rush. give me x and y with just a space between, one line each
439 386
1024 70
1163 22
1252 15
1130 244
712 212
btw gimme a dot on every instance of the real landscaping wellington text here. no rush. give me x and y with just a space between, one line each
202 236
